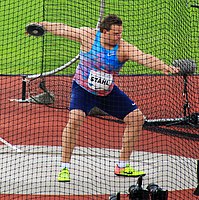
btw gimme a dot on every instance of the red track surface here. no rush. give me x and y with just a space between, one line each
33 124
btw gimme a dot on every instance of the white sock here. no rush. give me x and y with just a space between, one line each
65 165
122 164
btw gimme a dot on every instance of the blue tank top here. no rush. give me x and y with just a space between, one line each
96 69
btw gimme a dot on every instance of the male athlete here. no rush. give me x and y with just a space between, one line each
102 54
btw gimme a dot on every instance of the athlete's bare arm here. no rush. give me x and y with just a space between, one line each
63 30
134 54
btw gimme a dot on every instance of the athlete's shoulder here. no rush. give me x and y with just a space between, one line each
125 49
124 44
87 33
87 30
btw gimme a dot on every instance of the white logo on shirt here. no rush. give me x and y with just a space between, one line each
110 54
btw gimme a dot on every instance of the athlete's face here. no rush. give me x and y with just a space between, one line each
113 36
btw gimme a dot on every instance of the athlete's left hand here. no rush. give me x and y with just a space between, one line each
171 69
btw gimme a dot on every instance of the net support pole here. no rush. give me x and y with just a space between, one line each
23 88
196 192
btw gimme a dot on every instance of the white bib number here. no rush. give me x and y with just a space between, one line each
99 80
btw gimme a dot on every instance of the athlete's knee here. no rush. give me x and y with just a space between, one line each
76 117
135 118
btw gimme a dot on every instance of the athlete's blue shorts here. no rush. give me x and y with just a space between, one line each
116 103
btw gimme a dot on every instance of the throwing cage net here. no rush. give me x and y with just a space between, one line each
36 80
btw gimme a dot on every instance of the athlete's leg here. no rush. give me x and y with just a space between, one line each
70 133
68 142
119 105
80 105
134 123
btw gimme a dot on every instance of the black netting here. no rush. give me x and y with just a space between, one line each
36 84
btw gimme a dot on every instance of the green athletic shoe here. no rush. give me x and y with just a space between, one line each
128 171
64 175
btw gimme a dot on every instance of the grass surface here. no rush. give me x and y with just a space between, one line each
162 28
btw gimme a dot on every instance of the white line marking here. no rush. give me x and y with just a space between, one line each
10 145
